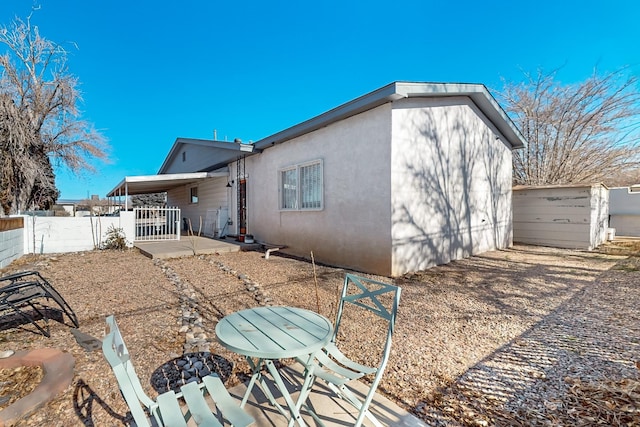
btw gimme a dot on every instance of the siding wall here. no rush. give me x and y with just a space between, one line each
564 217
624 211
197 158
212 195
451 184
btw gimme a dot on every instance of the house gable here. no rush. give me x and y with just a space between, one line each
202 155
402 90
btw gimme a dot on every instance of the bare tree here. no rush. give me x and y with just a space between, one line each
40 124
578 133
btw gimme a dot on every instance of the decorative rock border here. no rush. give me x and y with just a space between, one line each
190 320
58 375
252 287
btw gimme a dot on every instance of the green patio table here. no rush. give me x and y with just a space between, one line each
271 333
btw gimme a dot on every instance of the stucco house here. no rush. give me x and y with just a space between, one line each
403 178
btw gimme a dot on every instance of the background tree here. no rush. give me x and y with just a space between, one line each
40 125
151 199
581 133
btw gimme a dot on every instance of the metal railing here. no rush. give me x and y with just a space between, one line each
157 223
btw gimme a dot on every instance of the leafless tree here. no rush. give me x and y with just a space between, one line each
580 133
40 125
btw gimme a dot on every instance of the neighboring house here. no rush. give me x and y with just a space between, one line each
400 179
624 210
86 207
563 216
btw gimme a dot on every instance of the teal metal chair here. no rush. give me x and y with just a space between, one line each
166 409
336 369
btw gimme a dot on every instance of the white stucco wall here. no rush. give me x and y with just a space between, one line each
573 217
354 228
212 195
451 183
599 215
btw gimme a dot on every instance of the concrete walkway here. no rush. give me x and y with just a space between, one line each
189 246
332 411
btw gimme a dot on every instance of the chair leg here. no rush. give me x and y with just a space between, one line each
345 393
33 321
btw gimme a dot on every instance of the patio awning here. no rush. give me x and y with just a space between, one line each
146 184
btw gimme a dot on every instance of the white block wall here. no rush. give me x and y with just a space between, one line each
44 235
11 246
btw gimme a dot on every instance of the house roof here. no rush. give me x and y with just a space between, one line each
145 184
224 152
399 90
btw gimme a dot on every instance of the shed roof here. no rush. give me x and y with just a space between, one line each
554 186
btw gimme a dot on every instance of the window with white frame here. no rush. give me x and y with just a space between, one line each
301 186
193 193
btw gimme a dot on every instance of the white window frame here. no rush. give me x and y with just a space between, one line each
299 191
191 195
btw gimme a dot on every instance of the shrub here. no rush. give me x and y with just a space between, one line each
115 239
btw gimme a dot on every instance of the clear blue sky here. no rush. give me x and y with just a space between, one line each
152 71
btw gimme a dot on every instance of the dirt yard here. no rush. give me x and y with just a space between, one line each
526 336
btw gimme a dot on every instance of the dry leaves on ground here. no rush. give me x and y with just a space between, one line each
16 383
488 340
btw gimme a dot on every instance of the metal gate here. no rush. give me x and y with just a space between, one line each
157 223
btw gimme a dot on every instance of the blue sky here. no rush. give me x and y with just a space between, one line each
152 71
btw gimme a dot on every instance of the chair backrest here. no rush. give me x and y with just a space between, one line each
367 293
116 353
38 287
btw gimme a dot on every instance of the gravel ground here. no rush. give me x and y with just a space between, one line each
523 336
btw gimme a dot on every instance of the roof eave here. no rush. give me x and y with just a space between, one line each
146 184
399 90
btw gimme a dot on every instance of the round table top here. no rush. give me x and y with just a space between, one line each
274 332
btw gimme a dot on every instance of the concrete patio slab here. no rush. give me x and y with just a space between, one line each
332 411
189 246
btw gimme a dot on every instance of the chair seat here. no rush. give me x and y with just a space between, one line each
166 409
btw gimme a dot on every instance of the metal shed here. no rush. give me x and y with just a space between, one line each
567 216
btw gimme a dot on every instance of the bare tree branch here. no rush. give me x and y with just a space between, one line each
39 119
576 133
